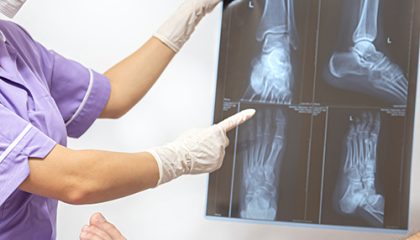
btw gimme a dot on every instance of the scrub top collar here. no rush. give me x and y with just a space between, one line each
2 37
5 52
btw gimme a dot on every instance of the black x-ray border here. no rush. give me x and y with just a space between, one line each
220 199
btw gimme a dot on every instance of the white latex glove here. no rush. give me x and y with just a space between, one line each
197 151
179 27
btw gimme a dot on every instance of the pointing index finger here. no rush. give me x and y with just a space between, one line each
237 119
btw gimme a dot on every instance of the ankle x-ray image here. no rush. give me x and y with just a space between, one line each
266 44
333 84
272 77
367 54
364 68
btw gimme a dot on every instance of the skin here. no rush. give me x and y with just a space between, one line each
100 229
91 176
133 77
414 237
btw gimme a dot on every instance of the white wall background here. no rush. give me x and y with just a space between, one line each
99 33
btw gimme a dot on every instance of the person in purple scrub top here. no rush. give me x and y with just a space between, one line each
45 98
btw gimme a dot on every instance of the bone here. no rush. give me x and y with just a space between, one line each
350 161
291 24
374 206
390 78
369 69
352 197
278 19
274 19
261 164
357 186
367 28
272 74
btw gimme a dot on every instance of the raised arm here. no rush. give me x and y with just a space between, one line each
133 77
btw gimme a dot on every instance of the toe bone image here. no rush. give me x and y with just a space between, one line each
355 192
272 77
363 68
262 142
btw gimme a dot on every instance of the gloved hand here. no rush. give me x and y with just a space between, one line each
197 151
179 27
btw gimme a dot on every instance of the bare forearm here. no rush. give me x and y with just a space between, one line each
132 78
84 177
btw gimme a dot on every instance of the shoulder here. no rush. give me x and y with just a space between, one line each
13 32
22 42
19 39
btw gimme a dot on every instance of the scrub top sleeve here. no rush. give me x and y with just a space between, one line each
81 94
19 141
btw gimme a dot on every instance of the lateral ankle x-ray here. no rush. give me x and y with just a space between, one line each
333 83
364 68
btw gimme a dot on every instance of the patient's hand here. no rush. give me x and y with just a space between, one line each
415 237
100 229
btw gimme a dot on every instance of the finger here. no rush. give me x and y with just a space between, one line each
236 120
97 218
85 235
415 237
92 229
100 222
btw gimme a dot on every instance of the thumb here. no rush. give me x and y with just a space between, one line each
97 218
236 120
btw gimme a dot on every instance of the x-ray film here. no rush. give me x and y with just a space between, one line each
333 83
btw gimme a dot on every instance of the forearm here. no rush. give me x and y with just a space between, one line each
85 177
90 176
133 77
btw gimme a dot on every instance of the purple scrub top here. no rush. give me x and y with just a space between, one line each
44 98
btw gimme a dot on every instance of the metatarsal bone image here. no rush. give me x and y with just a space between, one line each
364 69
262 148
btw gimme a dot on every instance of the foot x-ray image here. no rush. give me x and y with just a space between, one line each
363 67
356 188
366 55
363 160
333 84
262 143
270 152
